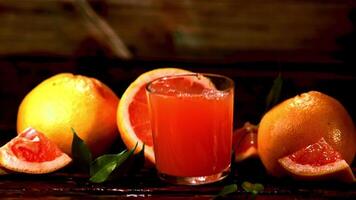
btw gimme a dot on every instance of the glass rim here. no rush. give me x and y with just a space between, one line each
229 80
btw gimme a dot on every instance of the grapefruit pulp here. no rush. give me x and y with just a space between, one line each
317 161
32 152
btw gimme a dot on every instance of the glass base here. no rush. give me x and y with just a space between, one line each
195 180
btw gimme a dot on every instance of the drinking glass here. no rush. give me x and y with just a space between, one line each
192 122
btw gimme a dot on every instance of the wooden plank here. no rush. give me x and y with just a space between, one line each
188 30
145 184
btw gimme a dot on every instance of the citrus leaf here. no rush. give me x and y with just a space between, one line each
259 187
102 161
138 161
135 163
247 186
275 92
228 189
254 189
103 166
80 152
130 167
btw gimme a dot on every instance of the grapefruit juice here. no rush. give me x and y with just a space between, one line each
191 127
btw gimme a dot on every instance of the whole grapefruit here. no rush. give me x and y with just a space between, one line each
66 101
303 120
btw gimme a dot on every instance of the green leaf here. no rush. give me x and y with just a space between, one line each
228 189
135 163
107 159
103 166
275 92
247 186
80 152
254 189
131 166
259 187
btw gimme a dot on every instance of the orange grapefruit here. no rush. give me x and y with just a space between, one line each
303 120
32 152
317 161
66 101
245 142
132 114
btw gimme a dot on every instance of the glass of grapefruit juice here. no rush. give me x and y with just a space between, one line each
192 122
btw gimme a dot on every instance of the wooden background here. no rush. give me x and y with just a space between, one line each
224 31
311 42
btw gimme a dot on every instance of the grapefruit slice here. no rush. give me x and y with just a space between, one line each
31 152
245 142
317 161
132 114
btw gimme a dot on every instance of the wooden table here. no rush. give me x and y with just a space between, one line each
146 185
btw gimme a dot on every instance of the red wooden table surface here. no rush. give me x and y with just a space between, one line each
145 184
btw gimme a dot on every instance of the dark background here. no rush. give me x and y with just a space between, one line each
311 43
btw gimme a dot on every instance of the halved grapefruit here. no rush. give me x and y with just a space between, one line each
31 152
245 142
132 114
316 162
